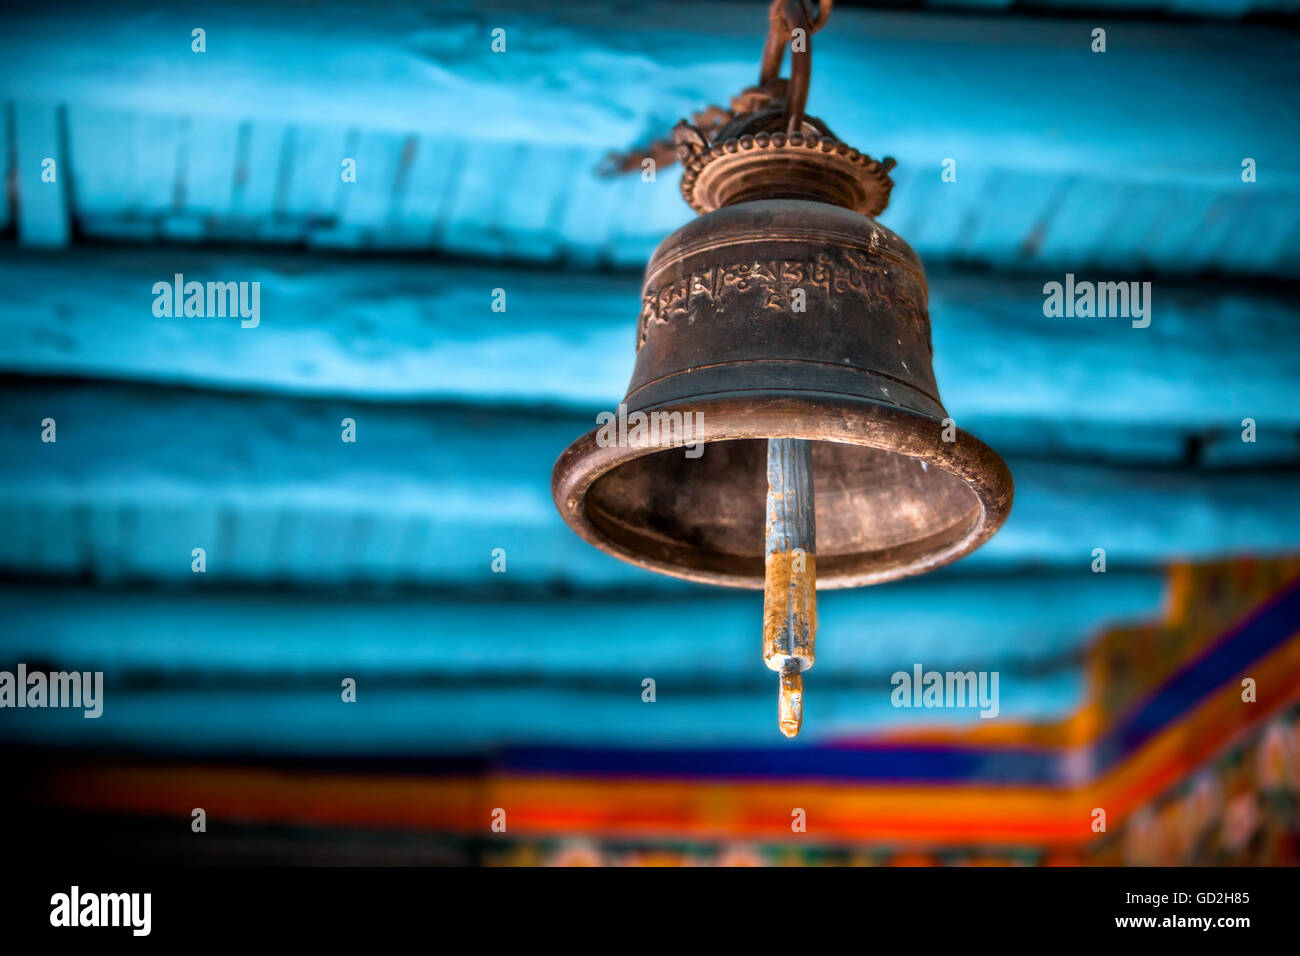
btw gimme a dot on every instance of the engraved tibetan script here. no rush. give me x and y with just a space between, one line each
772 282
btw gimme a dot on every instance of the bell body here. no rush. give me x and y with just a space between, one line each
785 318
784 295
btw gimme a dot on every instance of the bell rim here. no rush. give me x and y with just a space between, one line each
845 419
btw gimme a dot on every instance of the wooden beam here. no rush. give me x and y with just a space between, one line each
484 153
437 71
1016 622
41 174
139 477
408 330
309 717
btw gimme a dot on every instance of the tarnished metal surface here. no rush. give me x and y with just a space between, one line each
719 335
784 311
753 158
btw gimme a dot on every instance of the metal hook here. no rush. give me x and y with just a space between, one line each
784 17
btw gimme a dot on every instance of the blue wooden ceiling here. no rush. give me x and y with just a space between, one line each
476 171
1065 158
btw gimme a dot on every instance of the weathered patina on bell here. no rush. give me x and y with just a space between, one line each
785 311
790 331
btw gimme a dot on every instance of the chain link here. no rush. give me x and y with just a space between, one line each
784 18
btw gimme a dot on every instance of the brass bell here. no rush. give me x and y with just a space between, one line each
785 311
786 218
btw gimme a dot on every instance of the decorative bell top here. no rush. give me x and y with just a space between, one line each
753 158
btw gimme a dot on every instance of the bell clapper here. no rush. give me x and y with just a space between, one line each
790 574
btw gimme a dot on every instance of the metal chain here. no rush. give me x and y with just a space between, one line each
784 18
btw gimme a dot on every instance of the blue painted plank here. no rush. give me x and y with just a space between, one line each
310 719
412 331
425 203
477 480
210 156
943 621
43 213
995 103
